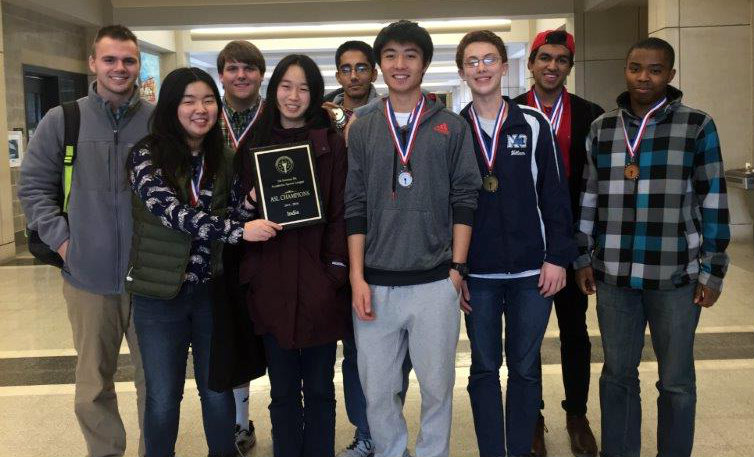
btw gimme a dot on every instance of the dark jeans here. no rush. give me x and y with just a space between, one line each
526 313
575 347
165 329
356 403
301 429
672 317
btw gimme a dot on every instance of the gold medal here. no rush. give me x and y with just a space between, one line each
490 183
631 171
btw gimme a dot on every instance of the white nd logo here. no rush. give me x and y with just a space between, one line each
284 164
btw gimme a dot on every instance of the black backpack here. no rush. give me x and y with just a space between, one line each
72 121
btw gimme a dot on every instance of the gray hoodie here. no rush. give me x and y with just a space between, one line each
99 223
409 231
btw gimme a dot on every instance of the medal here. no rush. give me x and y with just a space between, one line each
490 183
632 169
232 134
405 178
556 115
489 148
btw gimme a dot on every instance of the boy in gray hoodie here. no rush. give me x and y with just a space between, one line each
411 193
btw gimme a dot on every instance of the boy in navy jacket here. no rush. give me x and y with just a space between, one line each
521 243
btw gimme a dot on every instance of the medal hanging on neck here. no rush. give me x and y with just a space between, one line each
405 177
631 171
232 133
556 114
196 183
490 183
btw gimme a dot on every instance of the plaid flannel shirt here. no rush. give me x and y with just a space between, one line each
238 120
668 227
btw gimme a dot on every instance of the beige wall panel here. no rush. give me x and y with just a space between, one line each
607 34
719 12
604 82
662 13
672 36
578 73
715 81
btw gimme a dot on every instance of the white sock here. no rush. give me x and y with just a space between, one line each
241 395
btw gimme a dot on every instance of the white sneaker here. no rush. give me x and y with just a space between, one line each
359 448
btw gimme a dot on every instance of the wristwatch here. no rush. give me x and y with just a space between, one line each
461 268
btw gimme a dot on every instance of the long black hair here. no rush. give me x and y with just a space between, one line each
167 137
315 116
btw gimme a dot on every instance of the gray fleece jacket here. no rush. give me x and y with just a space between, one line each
99 224
409 230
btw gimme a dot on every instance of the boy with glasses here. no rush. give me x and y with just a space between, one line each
356 71
521 243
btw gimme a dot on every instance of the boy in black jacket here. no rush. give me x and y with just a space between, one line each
521 244
550 62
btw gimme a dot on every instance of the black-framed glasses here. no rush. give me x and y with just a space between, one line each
488 61
360 68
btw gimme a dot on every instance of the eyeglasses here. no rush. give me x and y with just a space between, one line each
361 68
488 61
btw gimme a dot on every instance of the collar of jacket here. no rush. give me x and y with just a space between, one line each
515 114
133 102
674 100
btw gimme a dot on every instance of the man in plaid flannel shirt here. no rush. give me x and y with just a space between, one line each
241 67
652 239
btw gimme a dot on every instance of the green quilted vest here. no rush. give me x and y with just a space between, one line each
159 255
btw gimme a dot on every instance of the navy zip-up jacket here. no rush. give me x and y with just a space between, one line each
527 221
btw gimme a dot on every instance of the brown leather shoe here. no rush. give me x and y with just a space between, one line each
538 448
583 443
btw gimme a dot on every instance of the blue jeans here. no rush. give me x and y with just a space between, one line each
165 329
356 403
526 314
301 429
623 315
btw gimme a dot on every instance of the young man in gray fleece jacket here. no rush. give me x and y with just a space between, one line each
411 193
95 239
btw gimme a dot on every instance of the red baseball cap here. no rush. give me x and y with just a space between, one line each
560 37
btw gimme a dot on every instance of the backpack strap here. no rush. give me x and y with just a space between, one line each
72 121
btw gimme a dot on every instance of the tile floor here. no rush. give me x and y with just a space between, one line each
36 391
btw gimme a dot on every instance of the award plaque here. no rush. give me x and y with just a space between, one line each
286 183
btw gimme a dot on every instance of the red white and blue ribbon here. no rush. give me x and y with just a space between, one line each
556 115
232 133
196 183
404 150
489 149
633 146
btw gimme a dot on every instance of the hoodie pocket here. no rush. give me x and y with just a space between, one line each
403 239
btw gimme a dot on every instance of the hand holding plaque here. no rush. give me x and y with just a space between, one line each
287 188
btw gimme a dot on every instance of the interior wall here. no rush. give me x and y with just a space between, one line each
34 39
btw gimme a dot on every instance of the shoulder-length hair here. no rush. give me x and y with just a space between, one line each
167 137
315 116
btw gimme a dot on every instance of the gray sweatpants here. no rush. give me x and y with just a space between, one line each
423 319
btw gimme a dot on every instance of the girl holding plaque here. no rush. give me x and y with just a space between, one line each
297 294
185 207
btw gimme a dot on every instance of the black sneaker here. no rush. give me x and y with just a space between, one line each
245 439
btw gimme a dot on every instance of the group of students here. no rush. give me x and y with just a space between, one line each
426 213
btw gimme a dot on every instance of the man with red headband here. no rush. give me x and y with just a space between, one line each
550 63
